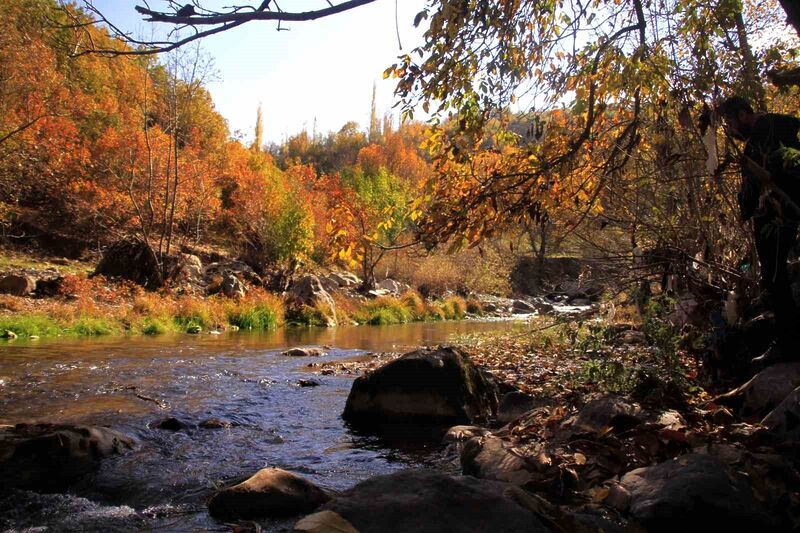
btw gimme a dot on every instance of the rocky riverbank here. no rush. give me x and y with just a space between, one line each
210 297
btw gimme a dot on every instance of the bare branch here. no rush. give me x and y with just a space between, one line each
214 21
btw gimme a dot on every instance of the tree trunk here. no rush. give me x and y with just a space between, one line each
792 8
755 88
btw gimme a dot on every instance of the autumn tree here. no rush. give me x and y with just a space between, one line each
631 80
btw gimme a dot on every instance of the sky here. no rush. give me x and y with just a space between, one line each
323 69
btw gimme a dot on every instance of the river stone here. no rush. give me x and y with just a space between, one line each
764 391
345 279
232 287
170 424
214 423
131 260
521 307
464 433
270 492
433 385
425 501
492 458
606 411
513 405
304 352
692 493
784 420
17 284
48 457
308 291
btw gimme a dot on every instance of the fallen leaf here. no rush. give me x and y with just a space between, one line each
598 494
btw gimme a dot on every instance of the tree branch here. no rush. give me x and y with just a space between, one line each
216 23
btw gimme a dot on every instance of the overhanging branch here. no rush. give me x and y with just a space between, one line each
212 22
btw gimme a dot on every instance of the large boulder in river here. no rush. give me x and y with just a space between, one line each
432 385
48 457
424 501
308 292
17 284
270 492
692 493
132 260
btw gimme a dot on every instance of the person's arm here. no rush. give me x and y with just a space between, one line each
749 194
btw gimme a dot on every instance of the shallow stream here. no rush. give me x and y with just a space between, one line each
242 378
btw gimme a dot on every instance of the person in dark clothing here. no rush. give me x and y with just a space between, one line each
769 195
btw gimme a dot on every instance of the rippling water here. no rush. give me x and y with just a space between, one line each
127 383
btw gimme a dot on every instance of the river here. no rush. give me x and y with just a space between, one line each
128 383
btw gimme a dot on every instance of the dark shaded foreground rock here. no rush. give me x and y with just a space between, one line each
424 501
784 421
692 493
48 457
513 405
493 458
604 412
764 391
432 385
270 492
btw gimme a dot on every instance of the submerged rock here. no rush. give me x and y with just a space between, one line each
214 423
270 492
305 352
424 501
49 457
170 424
432 385
692 493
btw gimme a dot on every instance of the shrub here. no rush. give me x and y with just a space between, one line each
87 326
475 307
414 303
384 311
191 312
458 306
307 316
155 326
259 313
27 325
